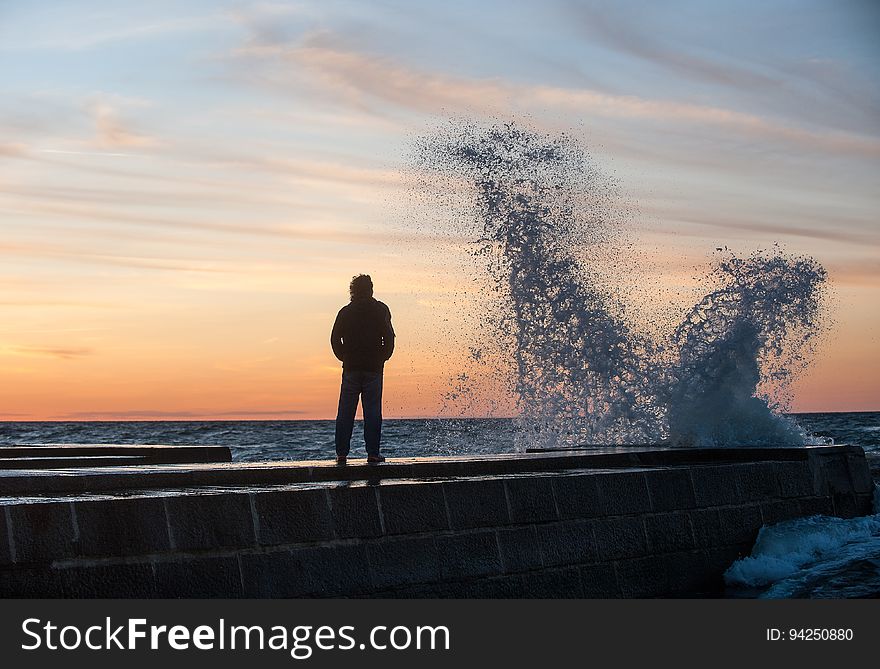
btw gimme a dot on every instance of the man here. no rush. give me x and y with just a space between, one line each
363 339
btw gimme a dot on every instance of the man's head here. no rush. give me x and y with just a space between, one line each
361 286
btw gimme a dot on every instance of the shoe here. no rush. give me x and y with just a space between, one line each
375 459
341 459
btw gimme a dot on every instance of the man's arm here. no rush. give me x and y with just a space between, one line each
388 335
336 337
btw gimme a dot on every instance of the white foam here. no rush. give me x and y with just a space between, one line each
793 552
783 549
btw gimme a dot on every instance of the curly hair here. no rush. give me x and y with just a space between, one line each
360 286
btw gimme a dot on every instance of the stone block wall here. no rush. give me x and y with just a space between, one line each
634 532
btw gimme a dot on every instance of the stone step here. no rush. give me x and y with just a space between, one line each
55 456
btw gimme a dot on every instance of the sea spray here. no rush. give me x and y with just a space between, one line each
578 370
738 350
548 230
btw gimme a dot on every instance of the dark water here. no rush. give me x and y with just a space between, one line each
278 440
313 439
861 429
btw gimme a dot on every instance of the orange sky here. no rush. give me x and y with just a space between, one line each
266 355
187 189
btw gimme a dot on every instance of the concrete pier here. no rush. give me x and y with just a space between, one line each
609 522
54 456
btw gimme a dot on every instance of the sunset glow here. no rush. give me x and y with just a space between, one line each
187 187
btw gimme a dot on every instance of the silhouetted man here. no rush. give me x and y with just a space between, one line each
363 339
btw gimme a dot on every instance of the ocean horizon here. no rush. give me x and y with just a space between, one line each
310 439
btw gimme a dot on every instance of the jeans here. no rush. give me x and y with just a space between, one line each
367 385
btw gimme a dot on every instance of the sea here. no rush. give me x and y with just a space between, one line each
816 557
257 440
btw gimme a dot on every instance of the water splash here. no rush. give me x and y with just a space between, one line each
549 229
739 349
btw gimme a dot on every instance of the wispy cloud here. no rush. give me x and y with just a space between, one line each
82 31
624 29
818 89
135 414
291 231
783 225
771 228
113 133
856 270
61 352
57 252
67 152
745 124
12 150
39 304
369 81
362 79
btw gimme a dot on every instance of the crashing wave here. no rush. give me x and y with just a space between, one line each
580 373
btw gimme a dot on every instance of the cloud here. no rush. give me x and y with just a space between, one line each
855 270
362 79
749 125
369 82
217 177
310 169
113 133
48 250
818 88
81 31
135 414
12 150
825 228
628 34
53 303
63 353
292 232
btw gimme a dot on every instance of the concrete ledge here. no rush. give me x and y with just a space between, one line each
542 525
109 479
55 456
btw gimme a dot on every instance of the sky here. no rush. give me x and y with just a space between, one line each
187 187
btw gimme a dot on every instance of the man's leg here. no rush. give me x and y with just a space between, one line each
348 403
371 396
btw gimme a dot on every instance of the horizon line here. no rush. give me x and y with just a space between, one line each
304 420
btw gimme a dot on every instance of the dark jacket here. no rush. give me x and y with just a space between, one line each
362 335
